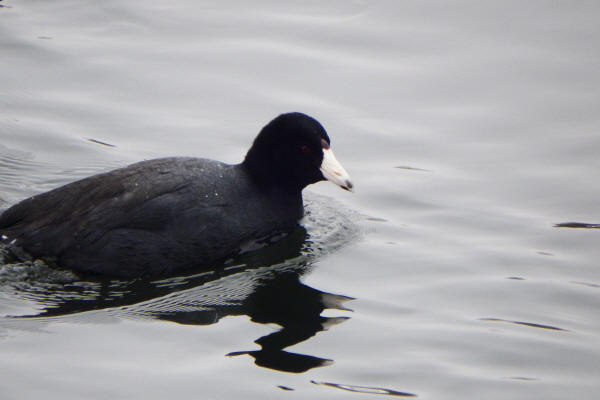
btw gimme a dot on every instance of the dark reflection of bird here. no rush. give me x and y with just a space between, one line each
167 215
277 296
266 287
297 308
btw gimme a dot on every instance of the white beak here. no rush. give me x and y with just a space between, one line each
333 171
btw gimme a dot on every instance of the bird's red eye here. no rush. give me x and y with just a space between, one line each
305 149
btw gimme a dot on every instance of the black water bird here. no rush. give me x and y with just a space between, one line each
167 215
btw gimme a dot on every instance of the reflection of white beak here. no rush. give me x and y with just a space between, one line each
333 171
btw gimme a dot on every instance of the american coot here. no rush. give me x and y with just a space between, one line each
166 215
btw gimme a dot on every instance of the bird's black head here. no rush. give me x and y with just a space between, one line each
293 151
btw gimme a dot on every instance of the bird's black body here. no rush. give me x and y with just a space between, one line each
166 215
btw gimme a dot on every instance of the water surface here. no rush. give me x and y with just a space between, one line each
470 129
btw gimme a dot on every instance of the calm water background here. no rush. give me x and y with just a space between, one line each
469 129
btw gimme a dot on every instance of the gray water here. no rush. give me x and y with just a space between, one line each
469 128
